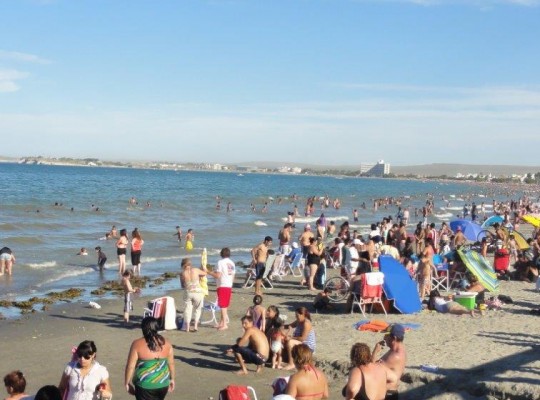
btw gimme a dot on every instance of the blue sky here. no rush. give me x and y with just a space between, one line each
309 81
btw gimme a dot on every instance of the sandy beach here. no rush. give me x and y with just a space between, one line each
495 356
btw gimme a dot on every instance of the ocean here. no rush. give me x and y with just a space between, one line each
45 237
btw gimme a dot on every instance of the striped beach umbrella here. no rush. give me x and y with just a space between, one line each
479 267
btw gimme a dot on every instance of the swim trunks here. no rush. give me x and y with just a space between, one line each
224 296
250 356
5 257
259 270
128 304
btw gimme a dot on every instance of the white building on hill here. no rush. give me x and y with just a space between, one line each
378 169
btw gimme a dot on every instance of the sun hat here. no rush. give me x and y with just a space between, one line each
295 245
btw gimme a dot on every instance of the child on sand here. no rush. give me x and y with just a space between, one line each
101 258
276 343
322 301
258 313
128 293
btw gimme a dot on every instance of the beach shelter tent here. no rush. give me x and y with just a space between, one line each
471 230
494 219
398 286
531 219
479 267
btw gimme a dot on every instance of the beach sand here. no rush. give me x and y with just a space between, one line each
495 356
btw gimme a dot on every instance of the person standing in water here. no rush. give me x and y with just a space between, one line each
136 249
121 249
190 238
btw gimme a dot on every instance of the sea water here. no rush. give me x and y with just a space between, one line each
46 237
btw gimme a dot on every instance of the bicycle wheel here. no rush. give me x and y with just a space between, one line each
338 288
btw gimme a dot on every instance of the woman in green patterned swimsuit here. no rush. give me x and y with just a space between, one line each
149 371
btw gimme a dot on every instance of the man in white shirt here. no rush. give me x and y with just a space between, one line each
224 274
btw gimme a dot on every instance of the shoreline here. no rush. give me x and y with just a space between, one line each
481 357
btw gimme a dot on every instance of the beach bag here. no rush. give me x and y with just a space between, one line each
234 392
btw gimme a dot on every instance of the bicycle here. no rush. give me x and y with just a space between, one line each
338 287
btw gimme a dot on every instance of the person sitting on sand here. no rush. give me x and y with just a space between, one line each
251 348
526 270
303 333
476 287
367 379
308 382
15 384
394 359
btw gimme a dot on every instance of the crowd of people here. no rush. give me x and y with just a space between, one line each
266 338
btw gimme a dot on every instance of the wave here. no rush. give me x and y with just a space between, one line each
260 223
66 275
155 259
8 227
452 208
443 216
45 264
23 240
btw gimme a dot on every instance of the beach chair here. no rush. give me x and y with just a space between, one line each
372 291
211 307
251 275
295 266
279 269
164 310
440 276
237 392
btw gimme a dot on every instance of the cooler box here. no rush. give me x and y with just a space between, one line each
501 261
466 299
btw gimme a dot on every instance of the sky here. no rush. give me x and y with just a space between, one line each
328 82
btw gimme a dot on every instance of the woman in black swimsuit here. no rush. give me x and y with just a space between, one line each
367 379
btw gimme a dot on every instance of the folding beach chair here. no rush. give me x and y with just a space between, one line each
279 269
251 275
237 392
211 307
439 277
372 291
295 266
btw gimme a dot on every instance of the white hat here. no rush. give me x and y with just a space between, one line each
308 226
295 245
357 241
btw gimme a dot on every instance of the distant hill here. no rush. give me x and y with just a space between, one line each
454 169
437 169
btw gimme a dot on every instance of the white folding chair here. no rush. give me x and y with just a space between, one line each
267 269
439 275
212 308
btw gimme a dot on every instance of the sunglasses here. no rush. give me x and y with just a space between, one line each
85 356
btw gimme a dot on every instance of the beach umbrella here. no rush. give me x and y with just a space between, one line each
534 221
518 237
471 230
204 279
494 219
479 267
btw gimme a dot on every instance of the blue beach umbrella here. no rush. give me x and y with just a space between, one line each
494 219
471 230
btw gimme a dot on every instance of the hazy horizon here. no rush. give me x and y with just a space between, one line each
327 83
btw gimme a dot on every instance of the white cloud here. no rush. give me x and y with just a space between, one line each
22 57
402 129
8 80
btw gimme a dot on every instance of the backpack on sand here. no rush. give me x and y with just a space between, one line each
235 392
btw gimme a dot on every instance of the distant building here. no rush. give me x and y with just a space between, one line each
378 169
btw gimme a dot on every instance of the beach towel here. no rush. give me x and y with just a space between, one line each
374 278
374 326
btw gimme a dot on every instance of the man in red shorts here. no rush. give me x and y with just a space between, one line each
224 274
